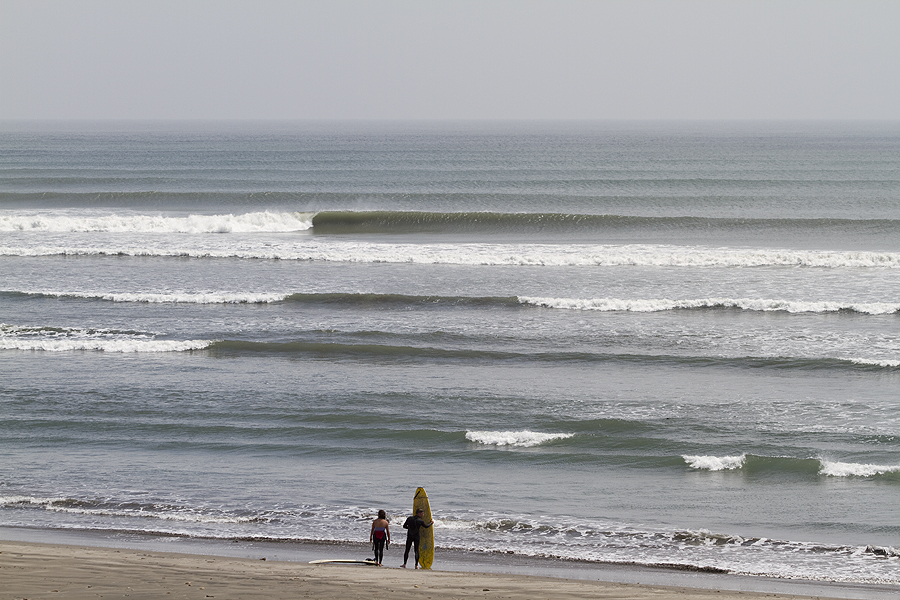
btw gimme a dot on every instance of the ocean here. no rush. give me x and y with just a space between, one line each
663 344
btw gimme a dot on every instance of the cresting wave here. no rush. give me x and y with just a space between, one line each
384 351
55 339
876 363
123 346
66 339
482 254
780 464
402 300
749 304
160 298
255 222
362 222
380 221
524 439
224 297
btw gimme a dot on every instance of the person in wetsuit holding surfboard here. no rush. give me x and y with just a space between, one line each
412 526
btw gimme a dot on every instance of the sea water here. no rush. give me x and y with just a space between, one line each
639 343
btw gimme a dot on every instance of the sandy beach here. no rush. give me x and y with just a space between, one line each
33 571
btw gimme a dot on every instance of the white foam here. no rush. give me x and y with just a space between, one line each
123 346
842 469
524 438
254 222
331 250
751 304
876 362
454 524
13 337
63 505
184 517
12 500
173 297
715 463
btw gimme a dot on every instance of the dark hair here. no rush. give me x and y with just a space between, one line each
420 510
382 514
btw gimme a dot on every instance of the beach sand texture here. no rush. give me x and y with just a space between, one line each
37 571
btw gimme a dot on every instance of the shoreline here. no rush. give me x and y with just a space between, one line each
31 570
140 564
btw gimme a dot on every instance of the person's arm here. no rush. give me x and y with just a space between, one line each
387 530
372 533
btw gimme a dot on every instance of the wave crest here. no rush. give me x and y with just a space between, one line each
170 298
785 464
523 439
255 222
749 304
715 463
480 254
842 469
66 339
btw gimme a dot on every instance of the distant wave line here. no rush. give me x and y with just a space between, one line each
488 254
55 339
376 300
399 222
419 221
408 352
254 222
748 304
161 298
356 299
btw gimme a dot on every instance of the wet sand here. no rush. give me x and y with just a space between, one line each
35 571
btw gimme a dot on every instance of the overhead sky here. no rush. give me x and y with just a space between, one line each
450 59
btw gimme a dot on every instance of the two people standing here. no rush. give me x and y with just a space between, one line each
381 534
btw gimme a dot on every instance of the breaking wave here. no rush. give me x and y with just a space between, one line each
374 300
482 254
750 304
167 298
376 221
524 439
715 463
254 222
66 339
842 469
784 464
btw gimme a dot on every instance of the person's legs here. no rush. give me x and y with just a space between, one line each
409 543
416 542
379 551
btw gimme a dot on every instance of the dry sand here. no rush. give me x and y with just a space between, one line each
36 571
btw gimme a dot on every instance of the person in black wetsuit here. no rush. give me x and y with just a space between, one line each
412 526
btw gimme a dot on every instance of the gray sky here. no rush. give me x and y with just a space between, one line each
421 59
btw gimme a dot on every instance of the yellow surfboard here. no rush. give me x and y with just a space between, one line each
426 534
